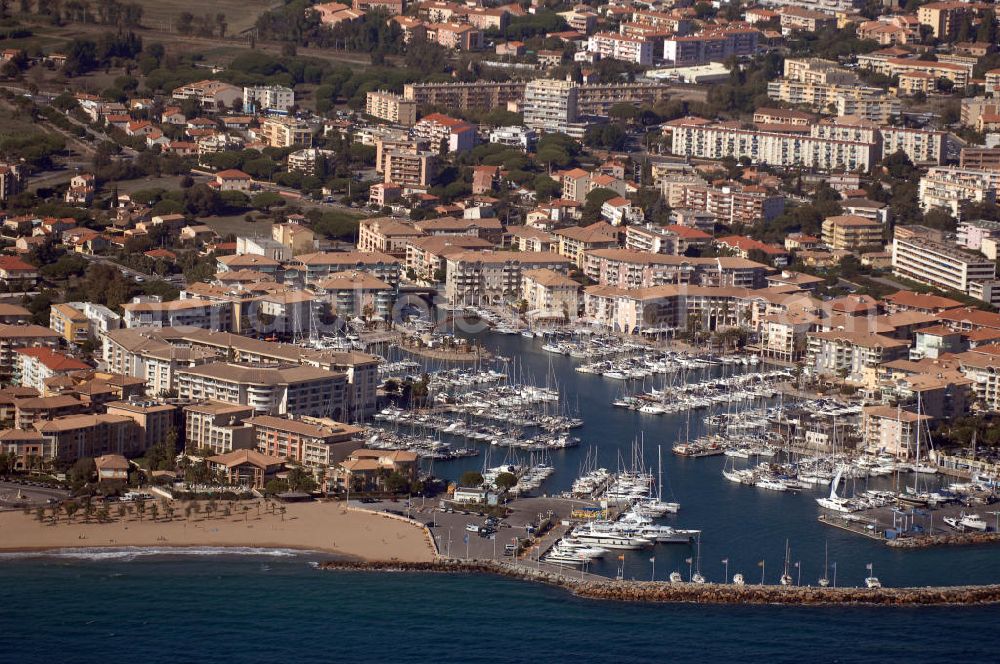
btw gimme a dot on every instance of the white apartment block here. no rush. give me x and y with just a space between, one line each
950 188
550 104
619 47
268 98
774 148
268 389
652 239
941 265
922 146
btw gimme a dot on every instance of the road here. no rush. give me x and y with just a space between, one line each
127 271
14 495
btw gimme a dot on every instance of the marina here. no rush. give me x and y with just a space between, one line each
738 434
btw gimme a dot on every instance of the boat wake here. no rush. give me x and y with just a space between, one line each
130 553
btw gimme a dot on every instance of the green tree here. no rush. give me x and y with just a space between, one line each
506 481
470 478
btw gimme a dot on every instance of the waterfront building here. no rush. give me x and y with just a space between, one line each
310 441
490 276
271 389
852 355
888 430
154 420
549 294
217 426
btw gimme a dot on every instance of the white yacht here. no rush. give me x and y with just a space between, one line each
872 582
738 580
834 502
770 484
965 522
675 577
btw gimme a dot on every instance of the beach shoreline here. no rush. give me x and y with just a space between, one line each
323 528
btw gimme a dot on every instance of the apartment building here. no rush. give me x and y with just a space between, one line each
220 427
937 264
943 18
550 295
714 45
550 104
414 169
210 95
391 107
598 98
313 442
780 149
488 276
207 314
575 241
653 239
951 188
807 20
980 158
624 268
11 181
851 233
145 353
14 337
311 268
270 389
881 63
386 235
853 355
818 70
667 307
354 294
613 46
35 365
268 98
922 146
440 130
154 421
830 6
78 436
69 323
477 95
889 430
734 203
284 132
485 228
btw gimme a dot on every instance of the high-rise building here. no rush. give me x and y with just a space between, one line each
550 105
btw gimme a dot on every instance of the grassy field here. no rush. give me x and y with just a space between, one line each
240 14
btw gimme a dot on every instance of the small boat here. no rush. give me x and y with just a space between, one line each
739 580
697 578
675 577
872 582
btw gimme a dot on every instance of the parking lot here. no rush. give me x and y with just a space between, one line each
453 530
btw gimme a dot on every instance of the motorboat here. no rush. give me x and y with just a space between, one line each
770 484
675 577
738 580
697 578
872 582
965 522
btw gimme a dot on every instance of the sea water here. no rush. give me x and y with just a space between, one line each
280 608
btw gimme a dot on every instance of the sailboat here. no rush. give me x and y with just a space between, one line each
835 502
786 578
824 580
697 577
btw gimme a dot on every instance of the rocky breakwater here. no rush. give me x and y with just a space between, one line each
708 593
949 539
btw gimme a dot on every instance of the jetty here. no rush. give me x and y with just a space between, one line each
694 593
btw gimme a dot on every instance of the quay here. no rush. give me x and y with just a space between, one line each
617 590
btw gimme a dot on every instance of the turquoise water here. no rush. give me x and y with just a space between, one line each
280 609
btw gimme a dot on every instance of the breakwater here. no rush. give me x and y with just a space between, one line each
947 539
707 593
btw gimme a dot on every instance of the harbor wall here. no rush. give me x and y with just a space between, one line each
708 593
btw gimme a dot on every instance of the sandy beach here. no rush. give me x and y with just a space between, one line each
314 526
